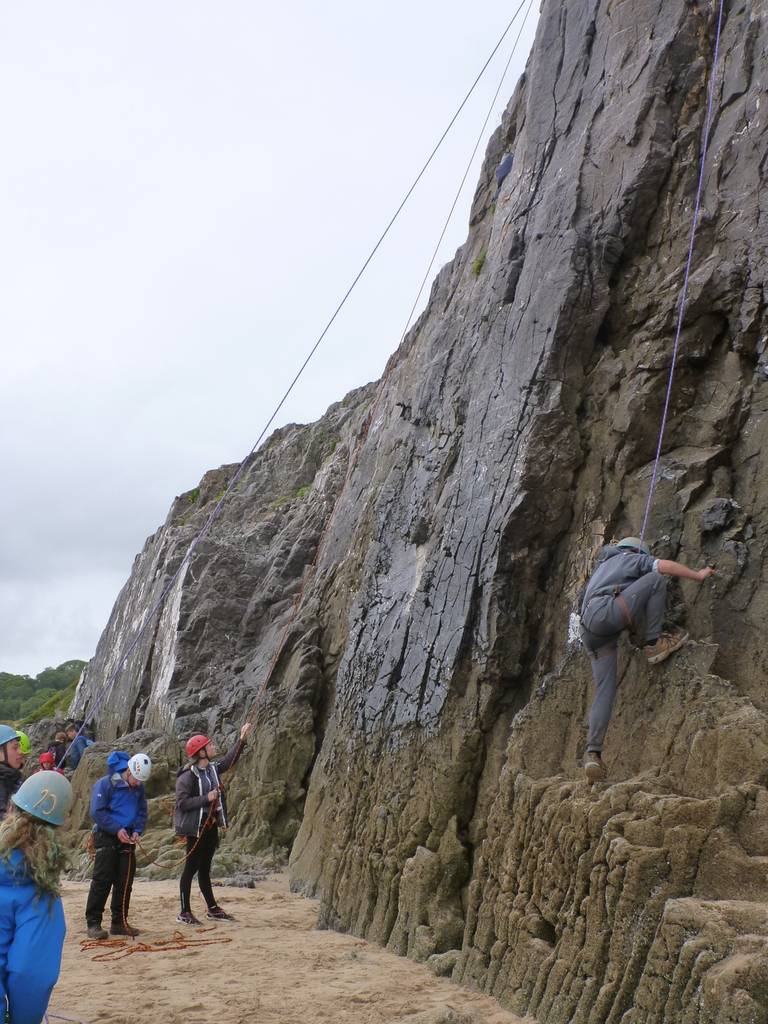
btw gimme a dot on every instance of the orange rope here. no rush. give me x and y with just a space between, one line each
118 949
123 905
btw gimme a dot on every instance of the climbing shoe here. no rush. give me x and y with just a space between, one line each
185 917
594 767
217 914
667 644
95 931
120 928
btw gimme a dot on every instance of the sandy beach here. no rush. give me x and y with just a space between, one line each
277 968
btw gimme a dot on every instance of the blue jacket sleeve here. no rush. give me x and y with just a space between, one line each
76 753
34 957
140 821
100 809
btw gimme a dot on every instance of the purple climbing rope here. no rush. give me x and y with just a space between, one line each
684 292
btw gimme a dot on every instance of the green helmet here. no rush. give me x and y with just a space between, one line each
45 795
24 745
635 543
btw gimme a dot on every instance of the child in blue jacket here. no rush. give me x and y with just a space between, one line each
119 811
32 925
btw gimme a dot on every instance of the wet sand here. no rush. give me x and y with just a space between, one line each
277 969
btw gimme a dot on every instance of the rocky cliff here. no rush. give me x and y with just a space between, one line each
388 591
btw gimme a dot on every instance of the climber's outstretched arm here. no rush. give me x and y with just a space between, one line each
678 569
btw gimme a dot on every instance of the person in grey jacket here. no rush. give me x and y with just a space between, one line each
201 809
627 588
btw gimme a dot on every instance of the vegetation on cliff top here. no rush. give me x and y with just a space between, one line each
22 697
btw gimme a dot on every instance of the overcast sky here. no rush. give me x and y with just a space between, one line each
186 191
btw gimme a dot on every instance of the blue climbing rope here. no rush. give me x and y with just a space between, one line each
684 291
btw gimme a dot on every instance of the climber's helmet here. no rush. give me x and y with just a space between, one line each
196 744
634 544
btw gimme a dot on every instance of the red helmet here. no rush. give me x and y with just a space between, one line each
47 758
195 744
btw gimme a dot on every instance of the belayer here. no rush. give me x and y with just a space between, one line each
32 925
119 812
627 588
201 808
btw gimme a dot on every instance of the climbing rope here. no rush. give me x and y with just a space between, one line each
118 949
466 173
684 291
123 658
253 712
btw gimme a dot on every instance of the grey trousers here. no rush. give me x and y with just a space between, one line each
603 621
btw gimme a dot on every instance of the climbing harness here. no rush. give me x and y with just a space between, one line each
128 651
684 291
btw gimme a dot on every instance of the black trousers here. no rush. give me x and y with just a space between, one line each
199 857
113 868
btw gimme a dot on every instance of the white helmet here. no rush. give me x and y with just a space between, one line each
140 767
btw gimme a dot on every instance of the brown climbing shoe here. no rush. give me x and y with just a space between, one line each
667 644
124 929
95 931
594 767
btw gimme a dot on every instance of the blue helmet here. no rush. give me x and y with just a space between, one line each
7 734
45 795
118 761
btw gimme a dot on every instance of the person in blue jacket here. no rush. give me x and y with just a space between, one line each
32 925
119 811
78 744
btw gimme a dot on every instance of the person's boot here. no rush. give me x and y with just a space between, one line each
187 917
123 928
95 931
667 644
594 767
217 914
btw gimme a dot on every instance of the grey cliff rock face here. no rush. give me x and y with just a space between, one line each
411 561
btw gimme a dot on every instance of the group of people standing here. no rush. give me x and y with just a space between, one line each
32 926
65 750
119 812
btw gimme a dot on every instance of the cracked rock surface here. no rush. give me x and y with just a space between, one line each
389 589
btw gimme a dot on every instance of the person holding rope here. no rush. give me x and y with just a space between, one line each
11 762
32 924
119 811
627 588
201 808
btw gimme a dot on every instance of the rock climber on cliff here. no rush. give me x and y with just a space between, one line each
200 809
627 588
505 166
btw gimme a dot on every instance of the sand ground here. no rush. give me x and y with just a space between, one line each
277 969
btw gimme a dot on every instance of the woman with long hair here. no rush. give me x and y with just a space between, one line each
201 808
32 925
